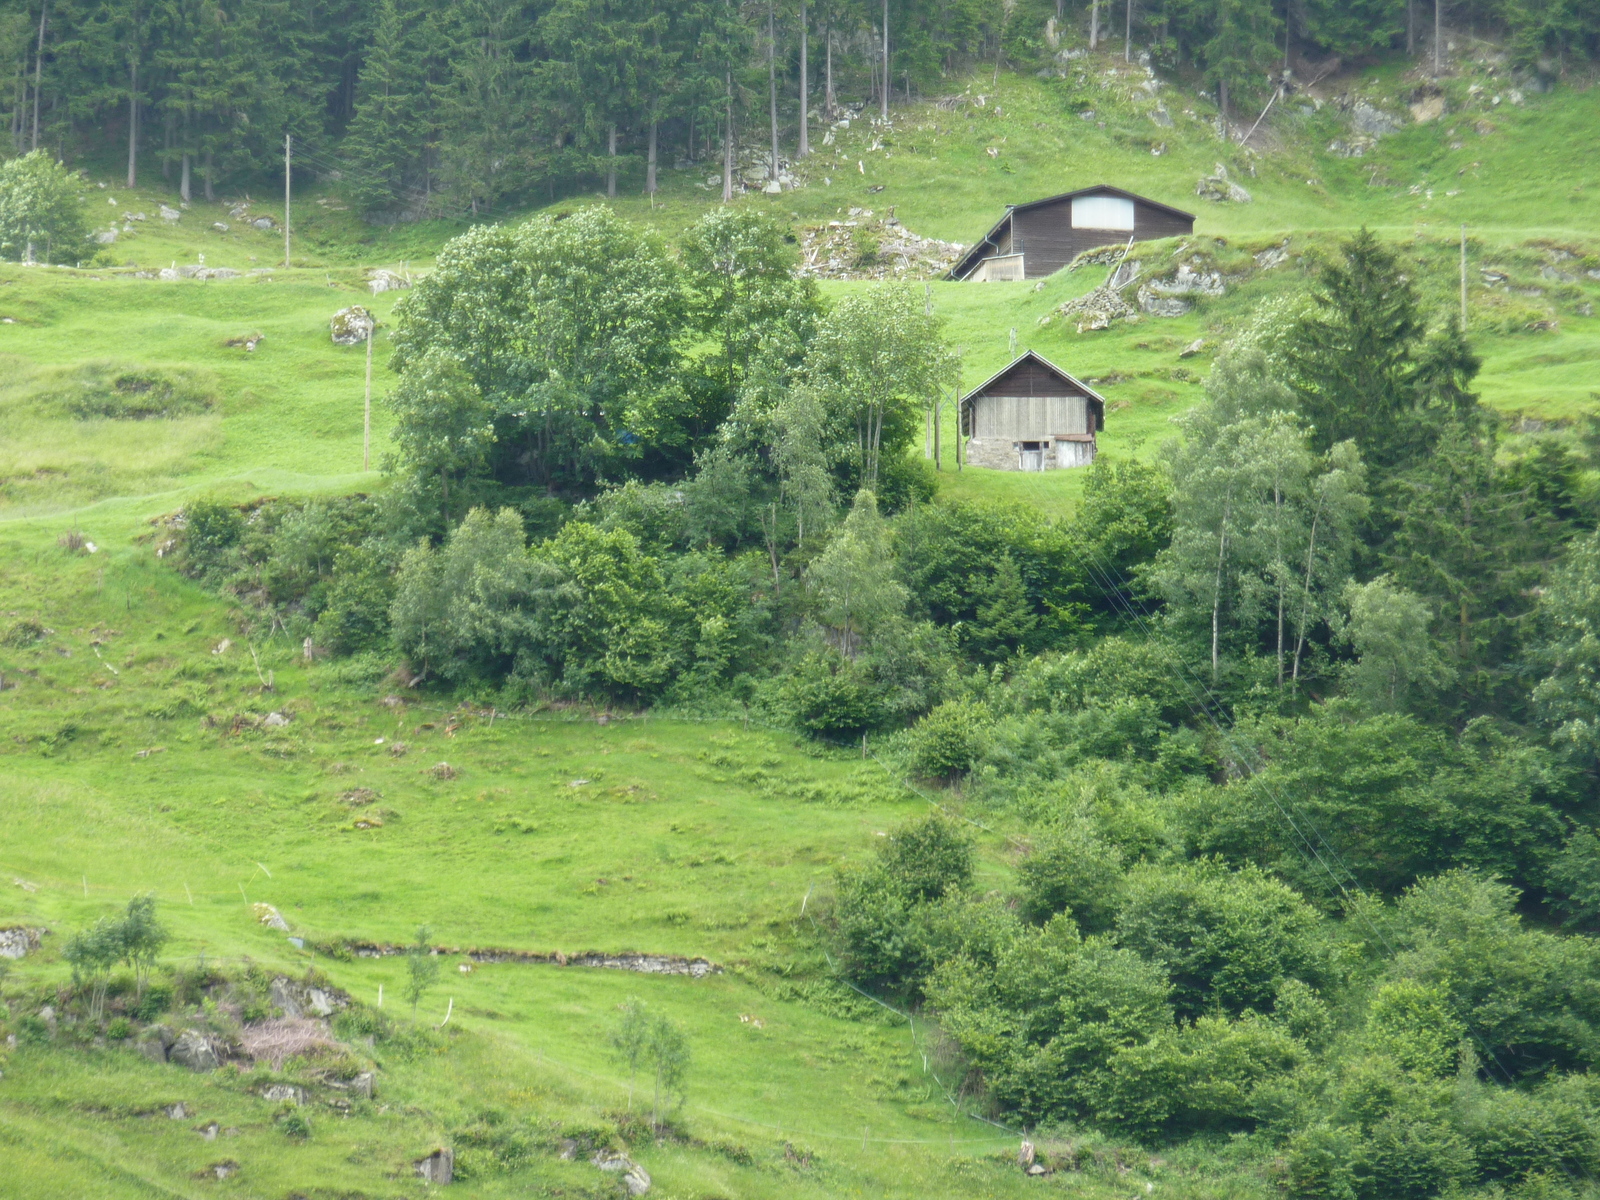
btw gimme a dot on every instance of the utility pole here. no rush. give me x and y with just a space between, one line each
366 412
286 156
960 441
1463 279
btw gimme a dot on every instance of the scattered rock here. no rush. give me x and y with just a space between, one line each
1429 108
275 720
1189 282
16 942
380 280
282 994
442 771
362 1085
208 1133
1162 306
319 1002
1025 1155
1275 256
1217 186
264 223
569 1150
1371 120
195 1051
398 749
280 1093
223 646
106 237
249 341
220 226
1558 275
357 797
219 1170
170 214
637 1180
155 1042
177 1112
1037 1169
352 326
270 917
1192 348
438 1167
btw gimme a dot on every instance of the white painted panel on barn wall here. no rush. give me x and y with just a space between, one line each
1102 212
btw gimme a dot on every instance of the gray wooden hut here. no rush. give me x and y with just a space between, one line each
1035 239
1031 416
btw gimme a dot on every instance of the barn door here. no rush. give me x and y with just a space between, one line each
1032 457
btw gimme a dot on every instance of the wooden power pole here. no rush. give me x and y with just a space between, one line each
1463 279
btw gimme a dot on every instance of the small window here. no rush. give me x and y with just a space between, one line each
1102 212
1033 445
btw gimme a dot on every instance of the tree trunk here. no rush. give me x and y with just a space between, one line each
183 180
210 194
611 164
1411 27
827 69
727 142
650 160
1127 45
166 144
1222 101
1305 595
1438 38
133 122
1094 24
1216 598
885 94
38 75
772 87
805 87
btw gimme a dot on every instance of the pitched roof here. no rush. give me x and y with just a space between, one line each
1095 398
967 260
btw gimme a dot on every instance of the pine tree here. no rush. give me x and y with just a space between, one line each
390 139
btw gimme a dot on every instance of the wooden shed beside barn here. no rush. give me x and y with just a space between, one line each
1031 416
1036 239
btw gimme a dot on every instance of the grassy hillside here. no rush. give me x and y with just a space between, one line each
136 760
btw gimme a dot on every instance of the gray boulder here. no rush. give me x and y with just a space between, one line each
280 1093
438 1167
195 1051
352 326
155 1042
1373 121
282 994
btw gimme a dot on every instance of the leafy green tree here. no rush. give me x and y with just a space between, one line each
92 953
1567 699
746 300
564 333
825 694
422 968
142 939
41 211
946 742
1388 628
853 585
630 1039
1126 522
877 357
1412 1023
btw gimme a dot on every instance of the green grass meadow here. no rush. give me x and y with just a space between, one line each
133 762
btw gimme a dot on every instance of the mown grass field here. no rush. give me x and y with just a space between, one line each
687 838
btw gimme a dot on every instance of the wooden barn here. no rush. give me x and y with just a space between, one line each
1031 416
1036 239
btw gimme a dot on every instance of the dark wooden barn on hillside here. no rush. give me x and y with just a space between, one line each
1031 416
1036 239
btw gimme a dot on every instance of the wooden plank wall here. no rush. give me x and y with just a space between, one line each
1048 242
1024 418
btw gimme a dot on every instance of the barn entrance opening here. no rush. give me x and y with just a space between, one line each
1033 456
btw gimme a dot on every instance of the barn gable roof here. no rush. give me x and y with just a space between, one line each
1097 402
971 258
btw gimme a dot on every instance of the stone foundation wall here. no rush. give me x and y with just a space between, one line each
1002 454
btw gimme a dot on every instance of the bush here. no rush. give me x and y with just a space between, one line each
1228 939
295 1125
826 695
211 529
947 741
1072 872
120 1029
927 859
